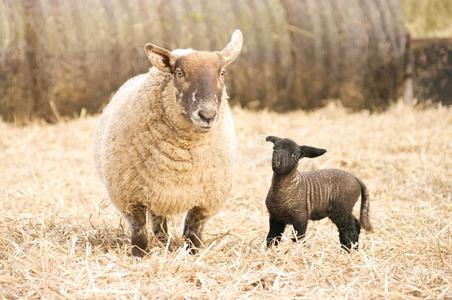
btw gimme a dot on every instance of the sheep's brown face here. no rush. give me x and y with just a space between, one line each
199 86
287 153
198 78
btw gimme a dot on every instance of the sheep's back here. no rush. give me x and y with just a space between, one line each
111 118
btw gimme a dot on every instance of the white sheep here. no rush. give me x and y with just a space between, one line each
166 141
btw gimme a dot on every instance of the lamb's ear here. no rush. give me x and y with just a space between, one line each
233 48
272 138
308 151
160 58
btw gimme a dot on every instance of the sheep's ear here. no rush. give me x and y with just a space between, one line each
272 139
232 50
308 151
160 58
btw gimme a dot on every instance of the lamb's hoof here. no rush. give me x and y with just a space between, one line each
347 248
272 243
300 239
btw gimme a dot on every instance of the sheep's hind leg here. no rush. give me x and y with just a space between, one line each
159 227
349 230
275 232
194 225
136 216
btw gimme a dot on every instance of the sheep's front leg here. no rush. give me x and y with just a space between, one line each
160 227
299 225
194 225
136 216
275 233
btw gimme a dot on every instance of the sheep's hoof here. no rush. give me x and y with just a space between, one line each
193 246
171 244
161 240
193 243
138 252
192 250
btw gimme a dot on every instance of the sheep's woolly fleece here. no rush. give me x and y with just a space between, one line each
147 151
60 236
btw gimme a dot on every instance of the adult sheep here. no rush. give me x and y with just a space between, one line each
165 142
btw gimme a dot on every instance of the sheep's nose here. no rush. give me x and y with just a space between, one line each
207 115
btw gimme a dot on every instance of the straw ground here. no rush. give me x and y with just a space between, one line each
61 238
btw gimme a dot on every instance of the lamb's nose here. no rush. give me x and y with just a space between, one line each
207 115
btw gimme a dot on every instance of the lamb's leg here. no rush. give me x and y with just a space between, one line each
136 216
160 227
299 225
349 229
354 230
275 233
194 225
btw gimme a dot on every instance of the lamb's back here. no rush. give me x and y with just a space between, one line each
324 188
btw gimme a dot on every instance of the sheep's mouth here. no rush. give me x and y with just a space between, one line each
204 128
202 125
281 168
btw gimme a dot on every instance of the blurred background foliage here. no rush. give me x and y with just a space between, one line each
428 18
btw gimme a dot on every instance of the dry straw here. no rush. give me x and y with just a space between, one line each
61 238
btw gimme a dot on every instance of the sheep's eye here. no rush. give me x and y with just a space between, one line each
179 73
222 73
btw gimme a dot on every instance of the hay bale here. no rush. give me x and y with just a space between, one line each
57 57
432 71
350 49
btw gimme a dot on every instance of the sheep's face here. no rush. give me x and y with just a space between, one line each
287 153
199 86
198 78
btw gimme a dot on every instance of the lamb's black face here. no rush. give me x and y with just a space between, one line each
287 153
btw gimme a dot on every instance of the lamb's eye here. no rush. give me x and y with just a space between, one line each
179 73
222 73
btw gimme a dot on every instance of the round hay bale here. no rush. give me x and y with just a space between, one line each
58 57
350 49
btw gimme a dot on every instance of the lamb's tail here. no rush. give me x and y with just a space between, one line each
364 213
